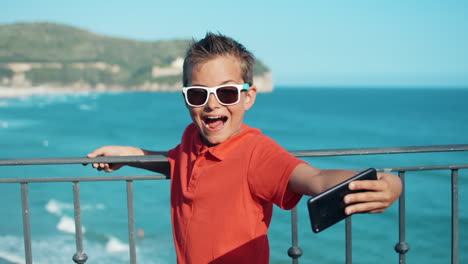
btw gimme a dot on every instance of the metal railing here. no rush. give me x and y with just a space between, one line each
294 251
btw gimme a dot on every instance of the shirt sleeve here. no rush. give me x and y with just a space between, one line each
270 169
173 152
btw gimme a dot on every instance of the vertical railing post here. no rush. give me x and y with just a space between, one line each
131 221
402 247
455 216
26 223
349 243
79 257
295 252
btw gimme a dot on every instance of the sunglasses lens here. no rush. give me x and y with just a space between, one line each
228 95
197 96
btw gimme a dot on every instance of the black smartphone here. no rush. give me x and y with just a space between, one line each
328 208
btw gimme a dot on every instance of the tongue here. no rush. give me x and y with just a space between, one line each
215 123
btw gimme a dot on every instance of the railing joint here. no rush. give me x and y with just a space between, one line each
80 258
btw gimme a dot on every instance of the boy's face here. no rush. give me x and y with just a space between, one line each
217 122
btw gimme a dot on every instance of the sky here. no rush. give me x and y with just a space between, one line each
304 42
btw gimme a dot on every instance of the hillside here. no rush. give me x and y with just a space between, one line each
65 57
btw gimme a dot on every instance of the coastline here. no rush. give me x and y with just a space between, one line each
15 92
264 83
7 92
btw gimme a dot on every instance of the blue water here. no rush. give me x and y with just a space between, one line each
298 118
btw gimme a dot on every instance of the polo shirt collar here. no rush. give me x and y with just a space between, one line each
221 151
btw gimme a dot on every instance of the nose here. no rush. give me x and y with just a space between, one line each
212 102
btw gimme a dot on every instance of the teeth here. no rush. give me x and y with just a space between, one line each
214 117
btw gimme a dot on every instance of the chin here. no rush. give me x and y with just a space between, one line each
214 140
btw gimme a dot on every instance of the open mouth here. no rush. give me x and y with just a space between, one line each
214 122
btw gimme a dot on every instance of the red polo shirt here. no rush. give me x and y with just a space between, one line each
222 197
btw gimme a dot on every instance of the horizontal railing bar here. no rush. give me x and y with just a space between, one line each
83 179
372 151
425 168
164 177
298 153
54 161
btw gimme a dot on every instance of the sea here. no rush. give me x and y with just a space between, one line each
298 118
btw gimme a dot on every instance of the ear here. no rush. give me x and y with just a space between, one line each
250 97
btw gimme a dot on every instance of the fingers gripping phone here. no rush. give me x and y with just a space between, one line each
328 207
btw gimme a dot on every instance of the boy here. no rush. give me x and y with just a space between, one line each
226 176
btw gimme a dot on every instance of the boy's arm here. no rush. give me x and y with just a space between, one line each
377 196
158 167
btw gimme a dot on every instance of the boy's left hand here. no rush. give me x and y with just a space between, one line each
376 196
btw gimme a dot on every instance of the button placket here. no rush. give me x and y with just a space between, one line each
199 162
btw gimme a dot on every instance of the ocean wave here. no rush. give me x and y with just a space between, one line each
10 252
43 99
58 208
115 245
87 107
18 123
61 248
13 259
67 225
91 207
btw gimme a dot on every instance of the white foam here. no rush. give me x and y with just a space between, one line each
67 225
60 249
86 107
11 258
98 206
18 123
56 207
115 245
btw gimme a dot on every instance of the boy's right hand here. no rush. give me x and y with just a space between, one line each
113 151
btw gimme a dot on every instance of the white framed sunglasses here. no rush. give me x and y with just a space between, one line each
227 94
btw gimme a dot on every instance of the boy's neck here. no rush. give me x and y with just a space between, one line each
208 144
